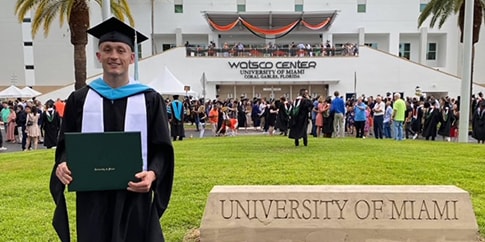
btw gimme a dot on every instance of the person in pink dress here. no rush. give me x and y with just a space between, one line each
319 118
32 127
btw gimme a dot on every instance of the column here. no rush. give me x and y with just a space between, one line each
361 36
29 65
423 44
179 41
394 43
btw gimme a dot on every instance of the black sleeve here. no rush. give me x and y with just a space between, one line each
72 115
160 151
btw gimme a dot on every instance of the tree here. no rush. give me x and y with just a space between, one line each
440 10
76 12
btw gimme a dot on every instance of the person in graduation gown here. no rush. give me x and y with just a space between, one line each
116 103
478 123
299 122
445 119
177 120
431 120
282 118
51 125
327 118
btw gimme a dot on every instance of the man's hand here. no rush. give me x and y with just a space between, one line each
146 177
63 173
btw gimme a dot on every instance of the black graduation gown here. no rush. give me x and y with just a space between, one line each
328 123
478 126
177 126
271 117
51 126
446 119
416 123
299 125
241 115
117 215
282 118
430 126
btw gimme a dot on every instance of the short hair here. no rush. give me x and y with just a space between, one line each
397 95
336 93
302 91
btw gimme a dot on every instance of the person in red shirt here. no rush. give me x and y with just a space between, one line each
60 107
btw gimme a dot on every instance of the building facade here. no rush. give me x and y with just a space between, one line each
387 27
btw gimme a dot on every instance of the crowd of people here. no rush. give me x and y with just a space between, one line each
383 116
29 123
271 49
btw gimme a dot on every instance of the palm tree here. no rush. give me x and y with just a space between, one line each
439 10
76 12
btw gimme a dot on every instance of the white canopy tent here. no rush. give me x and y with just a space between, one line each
168 84
29 92
12 92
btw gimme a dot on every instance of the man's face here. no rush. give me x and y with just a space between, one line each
115 57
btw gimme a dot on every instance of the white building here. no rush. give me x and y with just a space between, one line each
388 27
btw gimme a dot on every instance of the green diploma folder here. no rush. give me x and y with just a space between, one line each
103 161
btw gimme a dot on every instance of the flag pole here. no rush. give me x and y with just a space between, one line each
466 76
136 58
355 84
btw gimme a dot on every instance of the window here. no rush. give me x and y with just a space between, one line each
241 8
29 67
28 43
27 20
371 45
422 6
431 53
139 51
179 8
298 7
361 6
405 50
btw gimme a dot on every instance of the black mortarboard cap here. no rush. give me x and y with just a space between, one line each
115 30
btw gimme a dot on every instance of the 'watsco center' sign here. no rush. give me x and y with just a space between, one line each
272 70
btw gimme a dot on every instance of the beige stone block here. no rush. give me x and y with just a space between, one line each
338 213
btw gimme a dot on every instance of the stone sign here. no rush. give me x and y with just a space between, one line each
338 213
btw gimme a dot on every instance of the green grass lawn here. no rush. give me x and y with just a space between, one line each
26 206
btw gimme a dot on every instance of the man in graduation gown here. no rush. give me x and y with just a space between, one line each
177 120
116 103
301 109
50 125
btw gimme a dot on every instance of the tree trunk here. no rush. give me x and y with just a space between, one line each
79 66
79 24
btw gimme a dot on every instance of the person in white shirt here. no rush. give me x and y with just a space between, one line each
379 108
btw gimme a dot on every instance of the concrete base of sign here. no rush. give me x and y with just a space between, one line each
339 213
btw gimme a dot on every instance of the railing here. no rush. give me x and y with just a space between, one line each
266 52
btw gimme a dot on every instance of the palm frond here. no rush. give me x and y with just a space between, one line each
427 11
24 6
123 4
46 13
120 9
439 11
